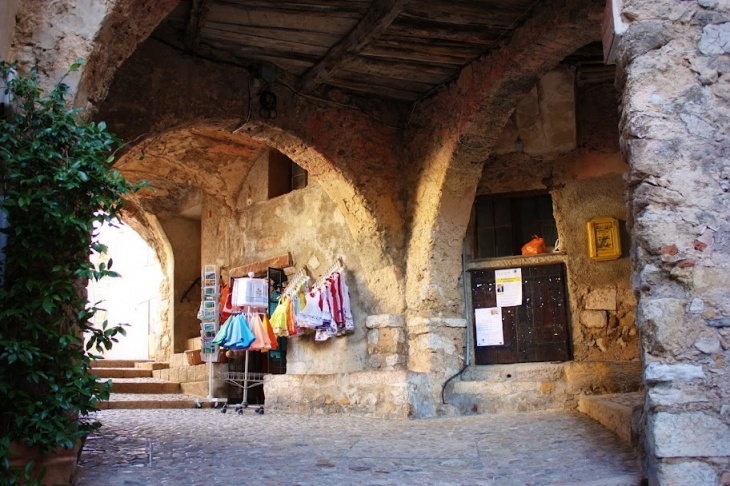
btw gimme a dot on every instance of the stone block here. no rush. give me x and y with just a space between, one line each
660 372
663 323
546 116
693 434
594 319
601 299
686 473
715 39
389 341
385 320
603 376
674 396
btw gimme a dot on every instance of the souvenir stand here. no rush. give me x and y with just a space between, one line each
209 352
252 294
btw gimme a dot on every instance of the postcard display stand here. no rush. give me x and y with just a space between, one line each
210 295
253 297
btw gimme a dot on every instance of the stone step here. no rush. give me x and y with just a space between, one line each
143 387
617 412
523 387
117 363
508 396
156 400
151 365
122 373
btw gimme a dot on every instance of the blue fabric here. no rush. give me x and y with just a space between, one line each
238 335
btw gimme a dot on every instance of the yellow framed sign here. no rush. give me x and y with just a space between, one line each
604 242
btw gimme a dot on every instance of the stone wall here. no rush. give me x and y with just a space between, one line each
307 224
585 183
184 237
674 61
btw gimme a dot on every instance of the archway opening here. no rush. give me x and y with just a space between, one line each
134 299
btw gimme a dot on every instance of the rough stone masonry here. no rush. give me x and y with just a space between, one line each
675 133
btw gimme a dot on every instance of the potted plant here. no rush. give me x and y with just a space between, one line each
56 187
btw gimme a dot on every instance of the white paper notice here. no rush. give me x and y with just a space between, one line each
489 326
509 287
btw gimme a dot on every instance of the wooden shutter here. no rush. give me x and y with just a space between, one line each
535 331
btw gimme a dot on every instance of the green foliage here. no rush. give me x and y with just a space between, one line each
57 185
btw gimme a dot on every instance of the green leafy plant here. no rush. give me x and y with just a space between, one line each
57 186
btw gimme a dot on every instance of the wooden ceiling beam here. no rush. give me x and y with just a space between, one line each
382 13
198 14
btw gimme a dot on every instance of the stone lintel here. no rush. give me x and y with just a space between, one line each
385 320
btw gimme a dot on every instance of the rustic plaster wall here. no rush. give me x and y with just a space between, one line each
185 241
584 184
674 61
307 224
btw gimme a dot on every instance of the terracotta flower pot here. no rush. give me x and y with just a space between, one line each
60 464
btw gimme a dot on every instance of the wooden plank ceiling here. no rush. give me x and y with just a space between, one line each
386 49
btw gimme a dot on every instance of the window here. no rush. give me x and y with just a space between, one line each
504 224
284 175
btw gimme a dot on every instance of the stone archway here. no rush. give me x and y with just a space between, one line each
450 155
346 151
53 35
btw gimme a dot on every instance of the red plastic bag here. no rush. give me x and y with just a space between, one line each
534 247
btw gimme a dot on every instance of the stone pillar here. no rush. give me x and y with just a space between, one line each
435 354
674 62
386 342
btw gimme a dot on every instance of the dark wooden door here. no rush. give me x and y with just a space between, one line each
535 331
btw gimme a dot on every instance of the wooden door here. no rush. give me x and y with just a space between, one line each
535 331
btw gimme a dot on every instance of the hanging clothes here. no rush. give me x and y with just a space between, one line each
270 332
261 339
279 318
311 316
235 333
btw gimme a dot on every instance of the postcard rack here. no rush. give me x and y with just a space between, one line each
209 352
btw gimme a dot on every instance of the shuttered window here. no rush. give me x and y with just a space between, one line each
504 224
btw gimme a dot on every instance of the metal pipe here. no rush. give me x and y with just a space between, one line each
467 316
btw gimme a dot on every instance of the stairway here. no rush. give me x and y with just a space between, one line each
134 387
619 412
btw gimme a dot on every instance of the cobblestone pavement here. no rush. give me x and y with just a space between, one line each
206 447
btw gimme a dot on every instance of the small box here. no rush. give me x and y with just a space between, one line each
604 242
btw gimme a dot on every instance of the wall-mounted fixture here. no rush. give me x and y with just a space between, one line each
604 242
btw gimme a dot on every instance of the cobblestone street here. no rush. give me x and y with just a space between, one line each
206 447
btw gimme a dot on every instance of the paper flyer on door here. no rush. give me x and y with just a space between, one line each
509 287
488 323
